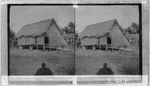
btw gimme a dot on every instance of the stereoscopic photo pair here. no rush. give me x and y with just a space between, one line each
64 39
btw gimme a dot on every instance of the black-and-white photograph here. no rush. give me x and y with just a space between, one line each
74 40
108 40
41 40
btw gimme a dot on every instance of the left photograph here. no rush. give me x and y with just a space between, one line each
41 40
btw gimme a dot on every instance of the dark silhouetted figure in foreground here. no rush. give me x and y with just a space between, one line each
105 70
44 70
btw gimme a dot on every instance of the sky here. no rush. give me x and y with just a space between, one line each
84 15
88 15
22 15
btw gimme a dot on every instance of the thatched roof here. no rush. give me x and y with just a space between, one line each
97 30
40 28
35 29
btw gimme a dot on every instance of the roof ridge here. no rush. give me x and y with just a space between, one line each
31 25
102 22
93 27
38 22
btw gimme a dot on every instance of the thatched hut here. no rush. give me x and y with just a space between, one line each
41 35
105 35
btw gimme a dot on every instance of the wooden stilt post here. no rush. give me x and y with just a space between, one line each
100 47
37 47
29 47
44 47
94 47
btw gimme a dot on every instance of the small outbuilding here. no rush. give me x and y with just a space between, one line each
105 35
41 35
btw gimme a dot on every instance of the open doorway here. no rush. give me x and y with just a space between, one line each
108 40
46 40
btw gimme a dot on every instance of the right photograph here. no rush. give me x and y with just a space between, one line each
108 40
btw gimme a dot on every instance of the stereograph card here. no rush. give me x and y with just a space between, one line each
75 42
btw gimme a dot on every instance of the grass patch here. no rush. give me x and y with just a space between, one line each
129 69
67 69
53 60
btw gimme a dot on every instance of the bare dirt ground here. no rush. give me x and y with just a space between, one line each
27 62
88 62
